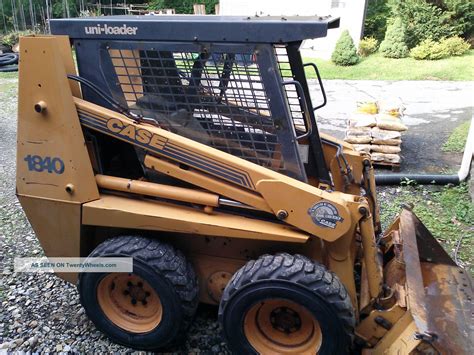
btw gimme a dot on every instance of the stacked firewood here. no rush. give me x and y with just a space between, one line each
376 128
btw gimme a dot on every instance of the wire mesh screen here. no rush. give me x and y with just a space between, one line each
216 98
294 100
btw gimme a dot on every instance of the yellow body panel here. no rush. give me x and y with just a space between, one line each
115 211
54 133
57 225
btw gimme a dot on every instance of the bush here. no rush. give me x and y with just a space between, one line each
375 23
13 38
367 46
428 49
182 6
431 50
455 46
461 16
422 21
345 52
393 46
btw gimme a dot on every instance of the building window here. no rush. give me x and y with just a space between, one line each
337 4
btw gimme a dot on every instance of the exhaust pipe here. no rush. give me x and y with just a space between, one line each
437 179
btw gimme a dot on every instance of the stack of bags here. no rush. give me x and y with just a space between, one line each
376 129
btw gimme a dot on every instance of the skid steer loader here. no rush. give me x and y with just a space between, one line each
189 143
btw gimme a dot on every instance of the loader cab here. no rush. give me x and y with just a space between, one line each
202 77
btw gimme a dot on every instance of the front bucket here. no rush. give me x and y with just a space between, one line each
439 293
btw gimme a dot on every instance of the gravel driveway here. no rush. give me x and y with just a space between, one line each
40 312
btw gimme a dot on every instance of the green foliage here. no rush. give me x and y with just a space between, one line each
345 52
376 17
13 37
394 45
455 46
429 49
461 16
183 6
447 212
367 46
457 139
422 21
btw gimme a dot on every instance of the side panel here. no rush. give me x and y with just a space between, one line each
51 152
57 226
115 211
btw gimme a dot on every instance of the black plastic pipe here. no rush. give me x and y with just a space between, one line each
436 179
423 179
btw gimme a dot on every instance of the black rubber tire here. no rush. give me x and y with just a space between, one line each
166 270
298 279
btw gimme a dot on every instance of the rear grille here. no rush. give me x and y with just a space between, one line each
292 96
215 98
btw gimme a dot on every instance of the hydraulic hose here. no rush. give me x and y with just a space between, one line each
437 179
8 62
8 58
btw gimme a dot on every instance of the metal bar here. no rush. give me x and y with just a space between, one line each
300 91
294 57
157 190
323 92
373 262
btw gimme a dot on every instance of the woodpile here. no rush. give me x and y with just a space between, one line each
376 128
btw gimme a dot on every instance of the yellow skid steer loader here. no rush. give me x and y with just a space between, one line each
189 143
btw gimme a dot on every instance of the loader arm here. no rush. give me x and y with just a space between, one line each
328 215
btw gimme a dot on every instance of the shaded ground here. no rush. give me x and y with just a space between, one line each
433 110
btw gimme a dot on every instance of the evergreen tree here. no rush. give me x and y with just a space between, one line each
394 44
345 52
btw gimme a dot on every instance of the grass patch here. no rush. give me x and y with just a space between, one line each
376 67
7 90
457 139
448 213
10 75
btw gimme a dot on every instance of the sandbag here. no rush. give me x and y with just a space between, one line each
388 149
362 120
386 158
359 131
397 142
381 134
369 107
358 139
393 107
365 148
390 123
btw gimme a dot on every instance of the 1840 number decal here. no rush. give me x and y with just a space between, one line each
49 164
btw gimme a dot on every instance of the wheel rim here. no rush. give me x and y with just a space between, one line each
282 326
129 302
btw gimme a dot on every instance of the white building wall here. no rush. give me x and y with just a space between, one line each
351 13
